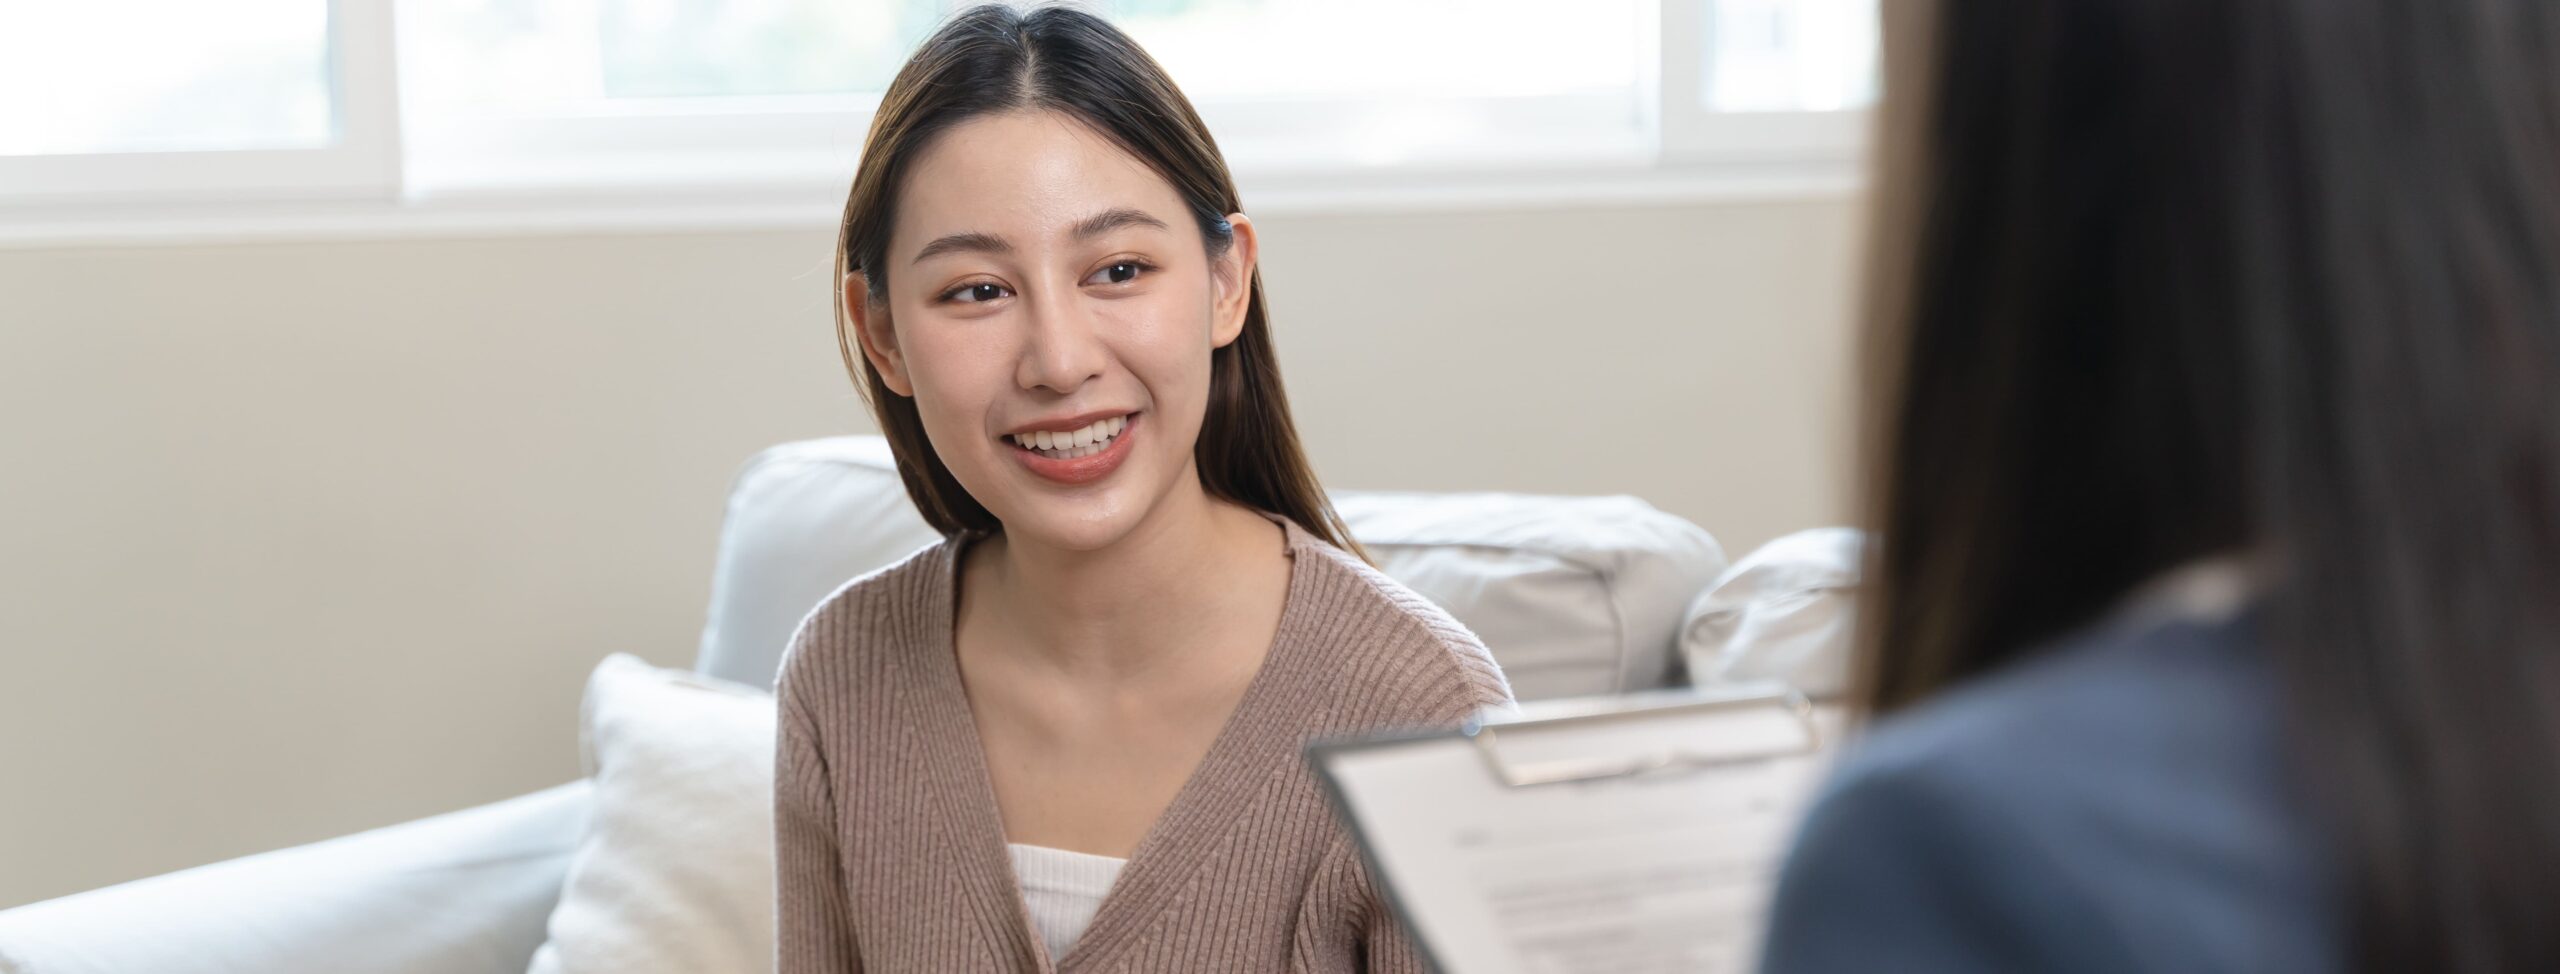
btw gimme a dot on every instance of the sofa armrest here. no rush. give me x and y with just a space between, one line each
468 892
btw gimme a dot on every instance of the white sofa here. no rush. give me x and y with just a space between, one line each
1574 595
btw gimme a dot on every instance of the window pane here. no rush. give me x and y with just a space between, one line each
757 47
524 54
1250 49
164 75
482 53
1287 84
1790 55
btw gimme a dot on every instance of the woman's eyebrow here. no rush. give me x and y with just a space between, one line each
963 242
1085 229
1113 219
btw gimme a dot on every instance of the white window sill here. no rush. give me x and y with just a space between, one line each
629 208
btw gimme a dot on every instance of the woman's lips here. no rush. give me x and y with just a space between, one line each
1084 469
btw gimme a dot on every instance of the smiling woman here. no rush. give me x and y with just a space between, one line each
1043 264
1078 144
1068 737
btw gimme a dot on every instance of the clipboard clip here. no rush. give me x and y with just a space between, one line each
1530 774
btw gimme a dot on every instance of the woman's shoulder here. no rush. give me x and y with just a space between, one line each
2106 709
1402 652
858 625
2096 801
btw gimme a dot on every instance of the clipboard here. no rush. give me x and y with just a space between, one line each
1628 833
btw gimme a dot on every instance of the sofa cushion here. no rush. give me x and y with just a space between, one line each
459 893
803 519
676 872
1784 612
1574 595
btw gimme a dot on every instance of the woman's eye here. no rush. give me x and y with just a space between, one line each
1120 273
979 293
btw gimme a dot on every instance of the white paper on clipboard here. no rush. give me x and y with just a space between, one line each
1625 835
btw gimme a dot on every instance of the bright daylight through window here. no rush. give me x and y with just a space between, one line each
610 100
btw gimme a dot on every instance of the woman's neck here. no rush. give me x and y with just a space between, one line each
1122 609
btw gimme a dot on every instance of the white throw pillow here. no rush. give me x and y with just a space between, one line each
1783 613
676 871
1575 596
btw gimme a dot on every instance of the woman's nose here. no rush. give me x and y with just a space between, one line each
1063 350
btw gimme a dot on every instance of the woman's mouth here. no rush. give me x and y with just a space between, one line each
1076 456
1073 443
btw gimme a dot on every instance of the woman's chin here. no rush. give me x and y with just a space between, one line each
1087 523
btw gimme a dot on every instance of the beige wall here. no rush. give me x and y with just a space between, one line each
303 538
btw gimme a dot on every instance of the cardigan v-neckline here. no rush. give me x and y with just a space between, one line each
1243 759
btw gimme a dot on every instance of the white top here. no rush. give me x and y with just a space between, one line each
1062 889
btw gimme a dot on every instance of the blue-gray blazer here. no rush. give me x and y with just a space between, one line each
2120 803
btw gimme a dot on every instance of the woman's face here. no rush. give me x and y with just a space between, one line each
1052 309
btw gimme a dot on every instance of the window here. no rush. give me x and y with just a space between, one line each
615 101
251 75
1328 86
1789 55
157 100
1766 81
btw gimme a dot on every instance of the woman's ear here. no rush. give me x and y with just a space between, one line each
872 328
1233 272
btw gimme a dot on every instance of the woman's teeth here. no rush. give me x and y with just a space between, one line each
1074 443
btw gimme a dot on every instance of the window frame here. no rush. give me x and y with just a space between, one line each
1692 134
362 162
753 161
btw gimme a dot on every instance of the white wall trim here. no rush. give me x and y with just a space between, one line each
815 208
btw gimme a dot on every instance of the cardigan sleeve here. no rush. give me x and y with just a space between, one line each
812 914
1472 687
1345 927
1388 946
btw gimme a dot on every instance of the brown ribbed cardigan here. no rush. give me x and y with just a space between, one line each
890 853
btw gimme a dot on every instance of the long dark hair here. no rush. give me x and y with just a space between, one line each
2157 279
994 58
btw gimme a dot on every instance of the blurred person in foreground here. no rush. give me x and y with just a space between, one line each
2216 457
